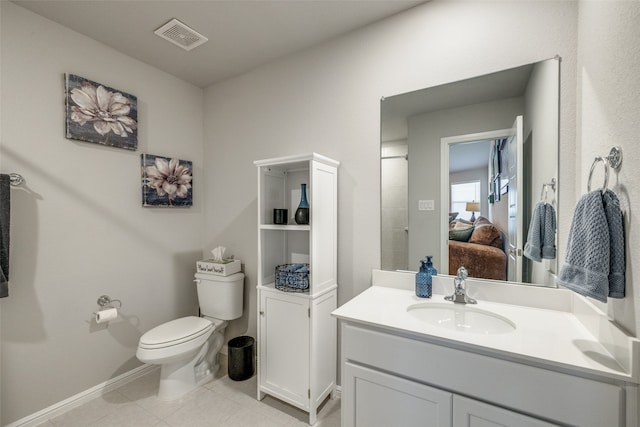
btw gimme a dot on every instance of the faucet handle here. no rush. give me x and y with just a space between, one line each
462 273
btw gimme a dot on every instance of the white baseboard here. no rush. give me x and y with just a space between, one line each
82 397
338 392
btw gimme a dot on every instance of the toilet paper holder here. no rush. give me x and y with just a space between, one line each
105 301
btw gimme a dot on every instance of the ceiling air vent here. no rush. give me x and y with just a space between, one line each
179 34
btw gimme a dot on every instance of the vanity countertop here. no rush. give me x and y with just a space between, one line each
542 337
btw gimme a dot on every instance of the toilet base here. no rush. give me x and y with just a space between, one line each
179 378
175 383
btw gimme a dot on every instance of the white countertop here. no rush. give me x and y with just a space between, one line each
543 336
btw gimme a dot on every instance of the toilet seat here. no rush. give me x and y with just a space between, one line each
175 332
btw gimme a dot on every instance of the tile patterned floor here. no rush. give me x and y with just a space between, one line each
219 403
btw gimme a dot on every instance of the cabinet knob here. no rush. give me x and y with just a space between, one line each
262 313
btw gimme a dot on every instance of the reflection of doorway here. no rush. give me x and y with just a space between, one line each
452 148
394 180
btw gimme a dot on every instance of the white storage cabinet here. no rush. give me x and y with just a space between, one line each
297 341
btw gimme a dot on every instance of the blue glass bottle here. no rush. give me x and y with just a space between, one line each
424 278
302 213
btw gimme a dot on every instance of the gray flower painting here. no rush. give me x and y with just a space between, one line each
100 114
166 181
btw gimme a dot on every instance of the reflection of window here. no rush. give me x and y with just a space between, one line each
461 194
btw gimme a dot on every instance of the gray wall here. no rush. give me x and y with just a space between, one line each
324 99
540 114
78 228
607 115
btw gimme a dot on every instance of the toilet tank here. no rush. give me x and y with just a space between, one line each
220 297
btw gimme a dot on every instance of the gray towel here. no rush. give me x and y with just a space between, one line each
5 211
533 247
541 238
613 214
594 265
549 232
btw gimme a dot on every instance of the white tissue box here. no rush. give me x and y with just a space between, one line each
220 268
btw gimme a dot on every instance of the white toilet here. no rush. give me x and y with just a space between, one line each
187 348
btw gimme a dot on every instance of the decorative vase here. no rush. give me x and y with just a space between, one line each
302 213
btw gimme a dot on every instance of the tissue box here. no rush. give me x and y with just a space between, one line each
220 268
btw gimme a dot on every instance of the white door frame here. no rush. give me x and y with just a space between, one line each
445 144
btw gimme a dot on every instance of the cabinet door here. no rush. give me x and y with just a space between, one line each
284 350
372 398
471 413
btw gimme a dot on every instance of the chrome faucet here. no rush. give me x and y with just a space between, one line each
460 291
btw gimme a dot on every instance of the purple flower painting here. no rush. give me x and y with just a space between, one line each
100 114
166 181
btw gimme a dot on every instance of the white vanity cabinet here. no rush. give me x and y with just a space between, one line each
391 375
378 399
297 336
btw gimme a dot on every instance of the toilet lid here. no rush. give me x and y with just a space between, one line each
176 332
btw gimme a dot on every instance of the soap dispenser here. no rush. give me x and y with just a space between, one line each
424 277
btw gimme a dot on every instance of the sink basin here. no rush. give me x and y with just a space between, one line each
461 318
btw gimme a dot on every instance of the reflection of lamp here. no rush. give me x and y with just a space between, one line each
473 207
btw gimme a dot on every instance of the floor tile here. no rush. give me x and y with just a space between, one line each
91 411
205 408
220 403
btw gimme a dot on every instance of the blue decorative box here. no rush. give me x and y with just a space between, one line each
292 277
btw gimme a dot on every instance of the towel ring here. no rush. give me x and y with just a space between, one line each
606 173
614 160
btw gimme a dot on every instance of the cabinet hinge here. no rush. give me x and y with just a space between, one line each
309 312
309 393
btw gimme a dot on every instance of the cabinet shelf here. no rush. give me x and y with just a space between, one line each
289 227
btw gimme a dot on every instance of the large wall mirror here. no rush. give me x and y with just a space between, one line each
465 166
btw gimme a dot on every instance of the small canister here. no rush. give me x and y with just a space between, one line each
280 216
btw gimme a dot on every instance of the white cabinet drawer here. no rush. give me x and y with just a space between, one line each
375 399
471 413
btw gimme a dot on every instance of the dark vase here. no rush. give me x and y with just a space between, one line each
302 213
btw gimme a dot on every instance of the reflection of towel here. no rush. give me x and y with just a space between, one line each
541 238
5 210
549 233
595 252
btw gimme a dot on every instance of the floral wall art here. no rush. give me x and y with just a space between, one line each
166 181
100 114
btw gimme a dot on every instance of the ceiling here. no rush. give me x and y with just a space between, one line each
242 34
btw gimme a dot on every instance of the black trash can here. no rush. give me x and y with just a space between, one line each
241 360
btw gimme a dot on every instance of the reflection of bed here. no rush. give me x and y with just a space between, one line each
482 255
